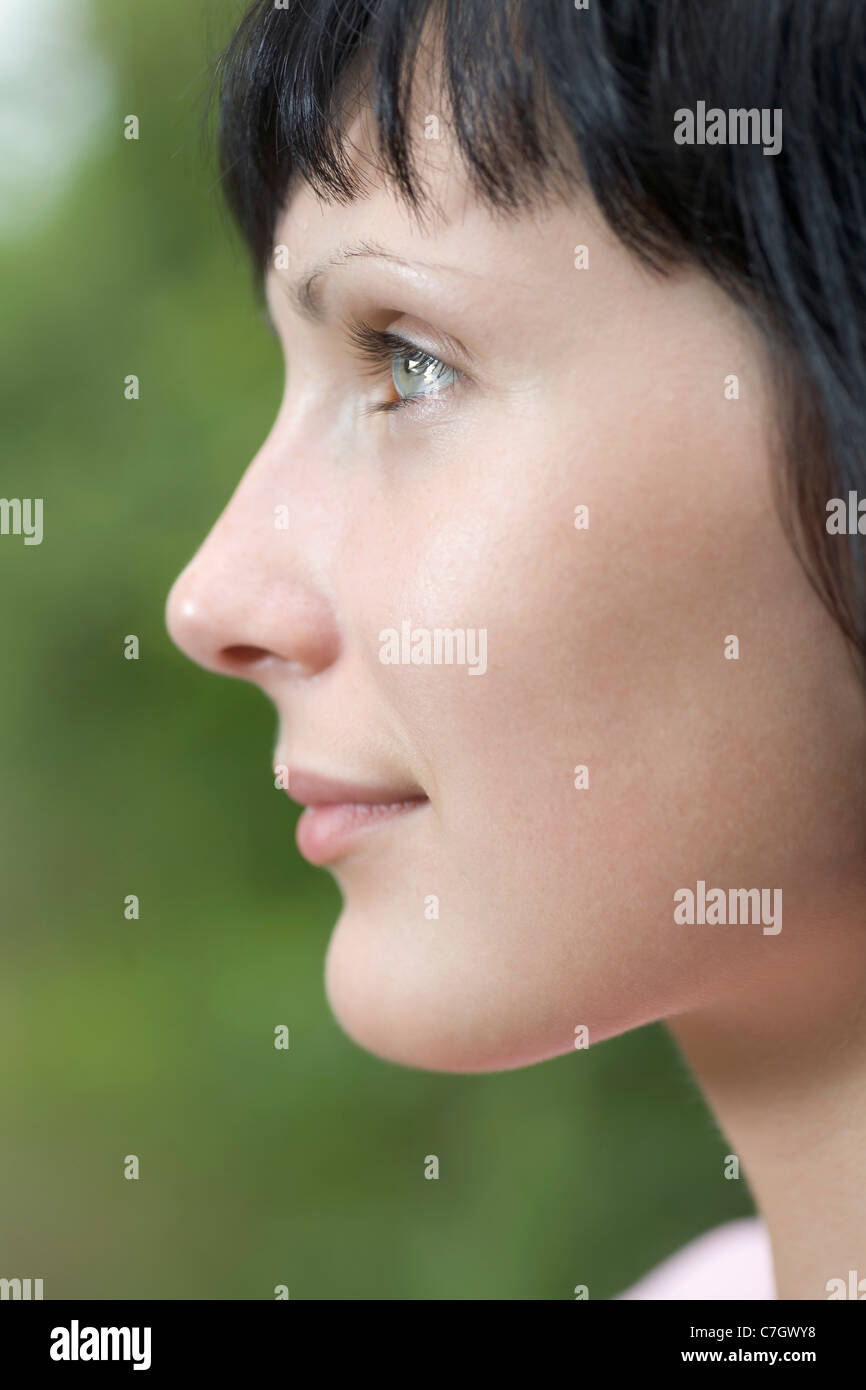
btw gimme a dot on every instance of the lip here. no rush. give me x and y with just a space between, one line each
338 814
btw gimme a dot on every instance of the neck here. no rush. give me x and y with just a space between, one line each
783 1066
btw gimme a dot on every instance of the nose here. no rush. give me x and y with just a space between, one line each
249 603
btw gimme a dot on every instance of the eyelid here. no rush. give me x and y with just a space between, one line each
374 346
378 346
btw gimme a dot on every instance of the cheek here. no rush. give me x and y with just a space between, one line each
605 651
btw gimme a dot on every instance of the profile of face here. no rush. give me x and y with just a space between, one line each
565 461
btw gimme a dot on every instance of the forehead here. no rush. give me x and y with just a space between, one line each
452 227
448 197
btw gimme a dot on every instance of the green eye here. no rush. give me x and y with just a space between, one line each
417 373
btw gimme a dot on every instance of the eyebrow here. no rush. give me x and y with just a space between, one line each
305 294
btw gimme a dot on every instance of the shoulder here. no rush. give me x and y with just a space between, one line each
733 1261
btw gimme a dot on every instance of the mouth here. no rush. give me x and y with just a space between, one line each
338 815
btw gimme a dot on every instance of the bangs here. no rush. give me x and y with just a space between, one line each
507 78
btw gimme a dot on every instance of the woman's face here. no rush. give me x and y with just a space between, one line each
480 927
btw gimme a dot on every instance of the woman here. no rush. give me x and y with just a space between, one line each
543 562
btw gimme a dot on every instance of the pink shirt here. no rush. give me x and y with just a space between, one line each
731 1262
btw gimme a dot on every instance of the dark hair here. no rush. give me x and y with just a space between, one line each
544 98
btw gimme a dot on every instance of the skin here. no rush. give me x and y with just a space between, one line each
606 647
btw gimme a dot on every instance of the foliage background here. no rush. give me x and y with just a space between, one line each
156 1037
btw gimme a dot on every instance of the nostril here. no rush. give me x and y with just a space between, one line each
241 656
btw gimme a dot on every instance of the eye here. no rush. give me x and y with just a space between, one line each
418 373
415 373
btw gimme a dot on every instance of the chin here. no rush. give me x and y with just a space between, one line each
425 1011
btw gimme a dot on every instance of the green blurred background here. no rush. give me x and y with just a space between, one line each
155 1037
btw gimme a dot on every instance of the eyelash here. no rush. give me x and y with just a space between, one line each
378 349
